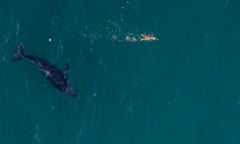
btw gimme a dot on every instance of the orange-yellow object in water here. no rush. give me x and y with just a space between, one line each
147 37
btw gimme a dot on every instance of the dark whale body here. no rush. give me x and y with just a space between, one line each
51 72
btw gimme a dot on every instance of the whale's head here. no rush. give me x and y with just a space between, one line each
70 91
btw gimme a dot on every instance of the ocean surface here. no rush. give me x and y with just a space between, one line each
183 88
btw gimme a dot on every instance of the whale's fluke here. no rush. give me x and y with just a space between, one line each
20 53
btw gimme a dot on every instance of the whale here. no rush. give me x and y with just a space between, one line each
56 77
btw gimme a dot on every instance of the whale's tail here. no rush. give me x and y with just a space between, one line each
19 54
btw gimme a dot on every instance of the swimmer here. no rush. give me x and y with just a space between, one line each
144 37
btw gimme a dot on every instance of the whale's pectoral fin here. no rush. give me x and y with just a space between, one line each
66 70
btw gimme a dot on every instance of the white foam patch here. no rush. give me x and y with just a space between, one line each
17 29
36 135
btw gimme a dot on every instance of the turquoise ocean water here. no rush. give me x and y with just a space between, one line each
182 89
